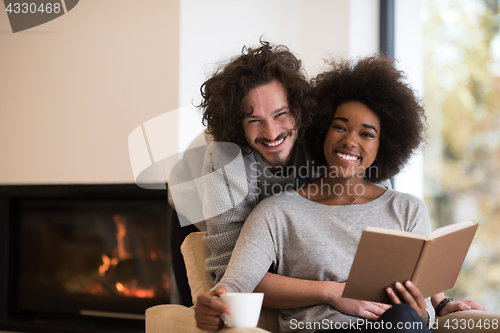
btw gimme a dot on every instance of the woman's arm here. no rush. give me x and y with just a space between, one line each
283 292
209 308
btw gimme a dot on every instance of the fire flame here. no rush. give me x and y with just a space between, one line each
120 253
135 292
106 264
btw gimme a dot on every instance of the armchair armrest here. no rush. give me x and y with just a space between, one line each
173 318
467 321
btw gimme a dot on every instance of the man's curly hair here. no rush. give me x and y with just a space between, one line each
225 91
375 82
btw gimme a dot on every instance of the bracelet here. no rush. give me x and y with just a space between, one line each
442 304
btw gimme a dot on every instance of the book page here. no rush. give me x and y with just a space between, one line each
381 260
446 254
394 232
449 228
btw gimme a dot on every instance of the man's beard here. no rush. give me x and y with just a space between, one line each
276 160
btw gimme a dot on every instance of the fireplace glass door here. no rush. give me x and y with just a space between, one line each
92 255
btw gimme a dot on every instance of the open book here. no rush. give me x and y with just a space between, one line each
386 256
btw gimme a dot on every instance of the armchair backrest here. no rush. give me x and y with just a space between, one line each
195 252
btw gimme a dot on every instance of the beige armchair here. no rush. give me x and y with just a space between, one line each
171 318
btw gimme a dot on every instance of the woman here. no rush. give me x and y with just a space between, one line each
369 124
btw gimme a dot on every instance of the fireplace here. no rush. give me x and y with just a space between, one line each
82 257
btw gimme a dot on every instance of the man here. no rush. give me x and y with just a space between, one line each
260 103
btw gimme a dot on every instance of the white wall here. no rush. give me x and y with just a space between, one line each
409 53
73 89
364 18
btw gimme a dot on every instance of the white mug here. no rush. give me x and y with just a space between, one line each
245 309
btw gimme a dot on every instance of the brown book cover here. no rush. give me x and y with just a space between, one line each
386 256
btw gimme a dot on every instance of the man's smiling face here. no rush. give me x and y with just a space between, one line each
269 124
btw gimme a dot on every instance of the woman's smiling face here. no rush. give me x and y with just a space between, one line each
352 140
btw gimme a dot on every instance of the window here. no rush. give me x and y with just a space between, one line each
461 44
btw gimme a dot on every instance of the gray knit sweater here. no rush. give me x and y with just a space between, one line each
299 238
241 190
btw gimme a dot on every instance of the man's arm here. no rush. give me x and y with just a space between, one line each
229 197
454 306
